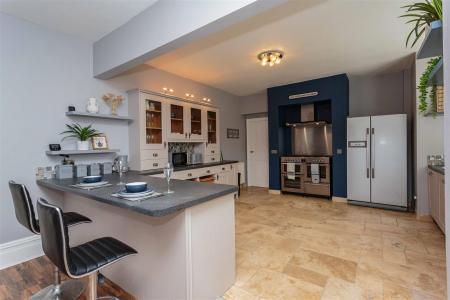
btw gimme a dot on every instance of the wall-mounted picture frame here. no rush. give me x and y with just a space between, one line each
100 142
232 133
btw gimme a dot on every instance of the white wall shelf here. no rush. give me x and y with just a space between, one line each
79 152
99 116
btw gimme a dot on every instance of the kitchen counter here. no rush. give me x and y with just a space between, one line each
186 193
189 167
185 240
439 168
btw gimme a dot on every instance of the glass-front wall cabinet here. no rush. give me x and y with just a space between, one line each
212 127
195 123
154 124
177 118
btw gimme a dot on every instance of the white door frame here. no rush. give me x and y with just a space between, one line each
249 180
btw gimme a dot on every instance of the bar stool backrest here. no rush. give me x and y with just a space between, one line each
54 235
23 207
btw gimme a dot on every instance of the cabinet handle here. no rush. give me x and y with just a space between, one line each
217 176
190 134
206 144
212 151
165 145
213 159
185 135
155 154
231 167
155 164
189 174
223 169
208 171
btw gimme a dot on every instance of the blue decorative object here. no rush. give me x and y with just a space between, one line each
136 187
92 179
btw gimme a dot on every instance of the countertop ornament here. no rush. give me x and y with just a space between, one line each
92 106
114 101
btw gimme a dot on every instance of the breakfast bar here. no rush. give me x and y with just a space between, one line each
185 240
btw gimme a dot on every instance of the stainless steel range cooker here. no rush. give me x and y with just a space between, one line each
306 175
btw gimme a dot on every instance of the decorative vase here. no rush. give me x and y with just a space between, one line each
92 106
82 145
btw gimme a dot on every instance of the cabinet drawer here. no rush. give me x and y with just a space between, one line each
225 168
153 154
149 164
212 158
187 174
212 150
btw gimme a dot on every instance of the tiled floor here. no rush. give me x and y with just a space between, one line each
291 247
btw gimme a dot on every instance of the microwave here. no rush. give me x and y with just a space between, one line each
179 159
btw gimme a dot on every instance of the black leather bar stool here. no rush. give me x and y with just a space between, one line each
80 261
23 207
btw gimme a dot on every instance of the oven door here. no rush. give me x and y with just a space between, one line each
324 172
298 168
292 185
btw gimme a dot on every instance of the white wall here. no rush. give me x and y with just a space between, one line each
42 72
429 140
254 104
446 35
376 95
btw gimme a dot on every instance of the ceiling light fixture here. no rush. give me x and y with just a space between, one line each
270 57
167 90
206 99
188 95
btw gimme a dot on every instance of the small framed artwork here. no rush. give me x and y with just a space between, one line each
232 133
99 142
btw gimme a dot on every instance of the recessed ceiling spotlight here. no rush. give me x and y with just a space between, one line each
167 90
189 95
206 99
270 57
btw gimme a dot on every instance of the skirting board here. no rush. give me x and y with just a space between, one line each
339 199
18 251
275 192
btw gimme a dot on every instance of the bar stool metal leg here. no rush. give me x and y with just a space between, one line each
68 290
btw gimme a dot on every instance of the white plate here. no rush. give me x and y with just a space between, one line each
83 184
135 195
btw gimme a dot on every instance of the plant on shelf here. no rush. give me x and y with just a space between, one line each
421 14
425 89
83 134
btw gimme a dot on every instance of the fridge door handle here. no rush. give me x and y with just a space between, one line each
367 154
372 145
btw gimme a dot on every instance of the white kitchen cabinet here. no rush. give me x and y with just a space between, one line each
436 197
159 119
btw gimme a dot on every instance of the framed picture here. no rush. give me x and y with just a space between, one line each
232 133
99 142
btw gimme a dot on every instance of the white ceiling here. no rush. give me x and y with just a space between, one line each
87 19
319 38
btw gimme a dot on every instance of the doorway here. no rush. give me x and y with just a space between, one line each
258 152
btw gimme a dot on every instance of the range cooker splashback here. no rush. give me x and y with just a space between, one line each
313 140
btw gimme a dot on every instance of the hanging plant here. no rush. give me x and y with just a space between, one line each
424 89
421 14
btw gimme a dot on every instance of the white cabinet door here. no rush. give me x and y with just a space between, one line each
196 119
258 152
388 165
212 129
153 121
358 159
177 118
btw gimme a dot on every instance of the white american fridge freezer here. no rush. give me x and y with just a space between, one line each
377 161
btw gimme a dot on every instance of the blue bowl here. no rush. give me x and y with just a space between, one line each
136 187
92 179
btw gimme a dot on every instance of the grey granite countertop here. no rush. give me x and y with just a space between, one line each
186 193
190 167
439 169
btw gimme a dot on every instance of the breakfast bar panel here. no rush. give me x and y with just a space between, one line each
185 255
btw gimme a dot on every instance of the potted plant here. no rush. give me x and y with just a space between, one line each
424 89
422 14
83 134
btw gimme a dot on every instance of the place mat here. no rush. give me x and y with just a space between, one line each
90 187
153 195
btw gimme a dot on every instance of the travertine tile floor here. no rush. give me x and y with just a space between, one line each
293 247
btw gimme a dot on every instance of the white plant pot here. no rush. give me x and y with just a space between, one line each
82 145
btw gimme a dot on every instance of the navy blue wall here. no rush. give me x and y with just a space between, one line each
280 107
